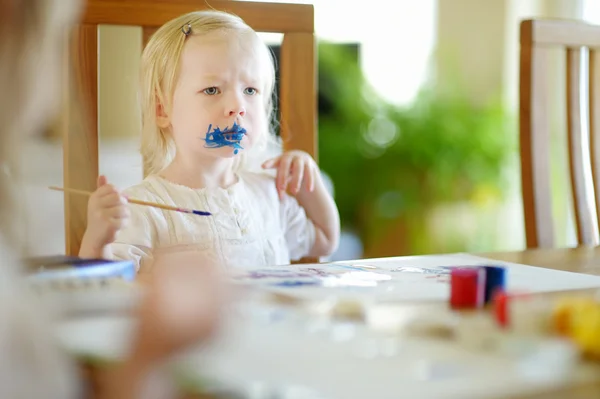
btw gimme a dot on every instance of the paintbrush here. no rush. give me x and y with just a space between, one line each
137 202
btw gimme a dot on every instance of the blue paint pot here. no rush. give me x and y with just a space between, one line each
495 281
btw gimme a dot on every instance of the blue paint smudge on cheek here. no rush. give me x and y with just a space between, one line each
228 137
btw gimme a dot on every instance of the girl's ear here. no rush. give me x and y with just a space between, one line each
162 119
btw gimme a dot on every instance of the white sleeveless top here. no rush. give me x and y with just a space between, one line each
249 226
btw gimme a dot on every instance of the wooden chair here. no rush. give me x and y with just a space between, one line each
537 37
297 96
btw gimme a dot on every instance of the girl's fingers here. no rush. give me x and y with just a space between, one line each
283 172
297 174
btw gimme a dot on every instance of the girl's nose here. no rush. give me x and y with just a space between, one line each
237 111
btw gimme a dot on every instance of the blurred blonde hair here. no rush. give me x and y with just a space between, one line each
159 73
32 41
33 35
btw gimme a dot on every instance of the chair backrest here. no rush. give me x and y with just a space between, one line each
537 39
297 85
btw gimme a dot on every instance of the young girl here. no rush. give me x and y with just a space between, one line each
207 85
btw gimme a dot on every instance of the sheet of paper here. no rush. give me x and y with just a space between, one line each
411 278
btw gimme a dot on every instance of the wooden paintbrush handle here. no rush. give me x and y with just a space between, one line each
130 200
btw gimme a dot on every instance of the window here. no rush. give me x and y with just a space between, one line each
591 11
396 39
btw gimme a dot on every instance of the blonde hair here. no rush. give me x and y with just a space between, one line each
159 73
32 38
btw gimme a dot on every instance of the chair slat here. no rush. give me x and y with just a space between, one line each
535 145
147 32
567 33
80 136
263 17
298 102
594 122
584 219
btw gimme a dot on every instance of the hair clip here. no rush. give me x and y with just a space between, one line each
187 29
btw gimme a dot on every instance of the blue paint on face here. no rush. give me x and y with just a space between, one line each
228 137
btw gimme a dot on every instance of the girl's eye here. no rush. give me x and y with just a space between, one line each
250 91
211 91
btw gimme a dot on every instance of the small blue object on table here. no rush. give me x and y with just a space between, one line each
495 281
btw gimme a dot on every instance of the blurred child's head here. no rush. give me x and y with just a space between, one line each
203 71
33 35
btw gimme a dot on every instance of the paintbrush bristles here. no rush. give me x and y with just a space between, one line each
135 201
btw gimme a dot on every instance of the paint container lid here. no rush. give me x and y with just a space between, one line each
495 280
467 287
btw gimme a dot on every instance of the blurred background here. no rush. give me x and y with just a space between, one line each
418 125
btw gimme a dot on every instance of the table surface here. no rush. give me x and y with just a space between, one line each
582 260
579 260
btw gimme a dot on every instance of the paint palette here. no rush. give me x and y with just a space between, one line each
75 285
67 268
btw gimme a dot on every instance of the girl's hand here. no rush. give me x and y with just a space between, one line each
296 170
107 214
